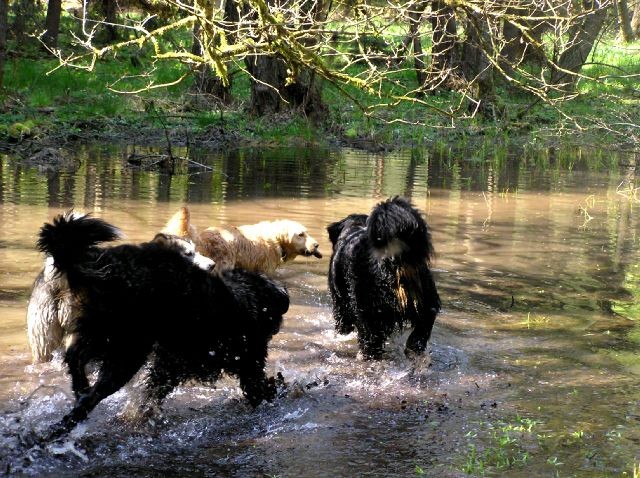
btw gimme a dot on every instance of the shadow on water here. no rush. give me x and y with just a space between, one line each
534 361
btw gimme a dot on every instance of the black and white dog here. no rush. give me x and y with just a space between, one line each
379 276
51 312
150 302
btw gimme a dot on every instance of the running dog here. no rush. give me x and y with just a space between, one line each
51 312
261 247
149 303
379 276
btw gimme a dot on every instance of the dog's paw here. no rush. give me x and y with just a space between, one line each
57 431
282 388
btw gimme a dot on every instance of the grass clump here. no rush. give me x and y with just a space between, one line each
501 446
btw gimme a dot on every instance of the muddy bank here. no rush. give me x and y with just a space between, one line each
50 150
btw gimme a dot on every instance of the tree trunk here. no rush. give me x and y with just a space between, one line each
270 92
624 19
635 20
4 7
444 56
23 19
109 9
415 15
478 70
518 48
582 36
52 23
205 81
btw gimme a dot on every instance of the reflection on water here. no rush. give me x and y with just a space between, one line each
537 265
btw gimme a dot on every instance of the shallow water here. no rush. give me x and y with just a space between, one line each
534 360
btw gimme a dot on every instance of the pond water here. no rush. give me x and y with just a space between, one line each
534 362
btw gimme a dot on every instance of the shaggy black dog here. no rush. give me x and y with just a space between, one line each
51 312
149 302
379 276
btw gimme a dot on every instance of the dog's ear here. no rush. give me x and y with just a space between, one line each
353 220
334 230
180 224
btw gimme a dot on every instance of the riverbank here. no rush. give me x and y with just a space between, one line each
44 107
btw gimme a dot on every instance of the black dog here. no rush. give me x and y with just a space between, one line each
51 311
149 301
379 276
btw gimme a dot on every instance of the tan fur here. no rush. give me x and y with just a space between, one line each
261 247
180 225
408 287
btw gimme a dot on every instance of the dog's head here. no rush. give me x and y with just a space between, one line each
298 242
397 229
186 248
348 223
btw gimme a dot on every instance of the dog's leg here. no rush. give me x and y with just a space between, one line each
114 374
371 343
77 358
423 315
254 382
339 295
165 373
344 323
417 340
422 323
257 389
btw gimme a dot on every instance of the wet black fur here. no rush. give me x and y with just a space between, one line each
376 260
148 302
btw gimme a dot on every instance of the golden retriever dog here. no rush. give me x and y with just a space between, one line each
261 247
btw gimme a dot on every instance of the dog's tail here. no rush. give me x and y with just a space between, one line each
71 235
397 230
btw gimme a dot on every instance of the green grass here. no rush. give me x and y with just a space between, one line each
524 445
499 447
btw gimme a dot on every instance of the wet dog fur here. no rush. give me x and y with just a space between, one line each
261 247
149 303
379 276
51 312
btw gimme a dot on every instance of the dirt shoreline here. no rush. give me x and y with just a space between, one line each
50 149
